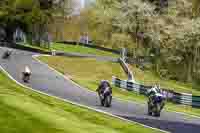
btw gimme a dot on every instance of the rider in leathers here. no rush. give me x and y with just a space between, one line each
153 93
103 88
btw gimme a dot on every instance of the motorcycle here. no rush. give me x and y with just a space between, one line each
155 105
6 55
26 74
106 97
26 77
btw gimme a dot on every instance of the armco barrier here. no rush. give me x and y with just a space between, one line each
130 86
187 99
92 46
22 47
179 98
196 101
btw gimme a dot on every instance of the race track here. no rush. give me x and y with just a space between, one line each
48 81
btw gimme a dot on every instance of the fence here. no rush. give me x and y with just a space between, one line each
179 98
187 99
25 48
80 55
91 45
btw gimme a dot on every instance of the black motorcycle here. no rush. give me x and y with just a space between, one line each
155 105
7 54
106 97
26 77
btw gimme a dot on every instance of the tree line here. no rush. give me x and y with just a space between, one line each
169 32
32 16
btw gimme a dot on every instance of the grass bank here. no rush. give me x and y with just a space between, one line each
81 49
72 48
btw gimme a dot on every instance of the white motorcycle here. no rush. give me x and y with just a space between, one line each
26 75
7 54
155 105
156 101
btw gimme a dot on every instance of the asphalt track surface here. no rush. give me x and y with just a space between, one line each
48 81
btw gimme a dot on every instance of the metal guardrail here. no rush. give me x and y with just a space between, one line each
130 86
187 99
179 98
91 45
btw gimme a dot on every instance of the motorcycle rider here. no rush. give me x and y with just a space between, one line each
7 54
153 93
26 74
103 88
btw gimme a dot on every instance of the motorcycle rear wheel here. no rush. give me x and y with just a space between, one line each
108 100
149 109
157 110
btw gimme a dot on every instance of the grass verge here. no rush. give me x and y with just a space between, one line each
81 49
73 48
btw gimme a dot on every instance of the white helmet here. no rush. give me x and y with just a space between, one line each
27 69
154 89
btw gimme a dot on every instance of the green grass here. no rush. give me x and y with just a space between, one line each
73 48
81 49
89 72
85 71
24 111
150 78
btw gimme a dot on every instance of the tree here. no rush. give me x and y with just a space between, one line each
171 36
196 7
32 16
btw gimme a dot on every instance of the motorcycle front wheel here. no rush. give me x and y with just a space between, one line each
149 109
157 110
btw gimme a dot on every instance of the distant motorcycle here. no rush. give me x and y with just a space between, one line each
155 105
26 75
7 54
106 97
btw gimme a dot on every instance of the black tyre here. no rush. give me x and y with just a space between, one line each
157 114
26 79
157 110
101 100
149 109
108 101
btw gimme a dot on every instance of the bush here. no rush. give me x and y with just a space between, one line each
121 40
